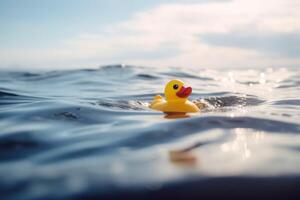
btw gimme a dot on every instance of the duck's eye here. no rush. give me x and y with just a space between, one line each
175 87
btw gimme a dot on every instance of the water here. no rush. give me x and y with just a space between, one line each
90 134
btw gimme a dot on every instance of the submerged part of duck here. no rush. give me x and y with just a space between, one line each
176 101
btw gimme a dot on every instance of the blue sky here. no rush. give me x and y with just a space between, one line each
43 23
89 33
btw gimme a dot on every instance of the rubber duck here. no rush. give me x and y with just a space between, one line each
176 99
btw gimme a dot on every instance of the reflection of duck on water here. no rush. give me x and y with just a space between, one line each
176 99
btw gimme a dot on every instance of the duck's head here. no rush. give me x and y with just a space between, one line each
176 91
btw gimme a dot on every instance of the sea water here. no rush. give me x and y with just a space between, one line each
90 134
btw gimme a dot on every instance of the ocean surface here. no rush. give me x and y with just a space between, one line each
89 134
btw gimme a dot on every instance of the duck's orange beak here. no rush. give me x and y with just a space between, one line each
184 92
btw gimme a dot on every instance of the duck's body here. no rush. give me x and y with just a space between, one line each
173 106
176 99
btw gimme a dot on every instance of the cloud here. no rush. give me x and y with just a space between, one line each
232 33
275 44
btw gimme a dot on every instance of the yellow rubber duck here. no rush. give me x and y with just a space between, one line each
176 99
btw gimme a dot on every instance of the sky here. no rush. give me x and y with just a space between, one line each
61 34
